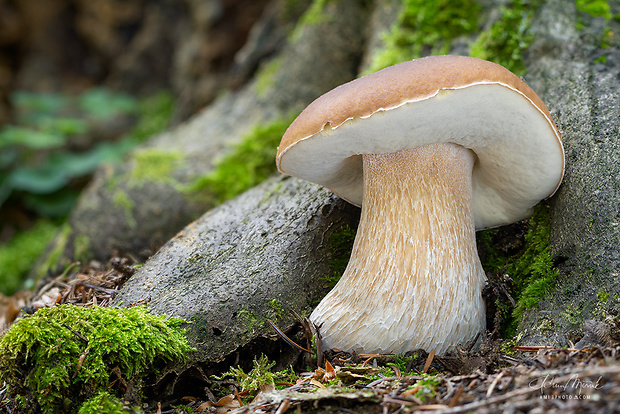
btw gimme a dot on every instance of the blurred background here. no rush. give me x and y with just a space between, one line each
82 82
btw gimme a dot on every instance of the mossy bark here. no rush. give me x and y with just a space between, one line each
574 65
260 256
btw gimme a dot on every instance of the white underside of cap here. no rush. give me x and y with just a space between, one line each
520 159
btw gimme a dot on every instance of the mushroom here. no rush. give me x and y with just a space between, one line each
432 150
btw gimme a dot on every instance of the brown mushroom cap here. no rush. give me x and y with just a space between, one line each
462 100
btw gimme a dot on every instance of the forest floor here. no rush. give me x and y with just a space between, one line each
495 378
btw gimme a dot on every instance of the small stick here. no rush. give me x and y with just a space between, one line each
76 333
494 383
457 395
429 360
286 338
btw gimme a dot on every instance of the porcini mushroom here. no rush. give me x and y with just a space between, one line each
431 149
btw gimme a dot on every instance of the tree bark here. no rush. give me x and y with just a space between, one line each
260 256
576 71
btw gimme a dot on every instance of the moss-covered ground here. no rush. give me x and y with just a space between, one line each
508 37
57 358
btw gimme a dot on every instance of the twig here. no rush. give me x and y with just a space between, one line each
286 338
284 406
76 333
541 347
494 383
54 281
457 395
98 288
429 360
380 380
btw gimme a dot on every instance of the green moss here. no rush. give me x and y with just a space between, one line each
602 297
401 362
247 164
531 269
18 255
314 15
121 199
426 27
598 9
59 357
534 272
154 113
574 314
506 40
81 248
595 8
277 308
266 75
104 403
154 165
251 322
259 376
427 387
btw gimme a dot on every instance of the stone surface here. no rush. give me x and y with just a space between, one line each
257 257
581 90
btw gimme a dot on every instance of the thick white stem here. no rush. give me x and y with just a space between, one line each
414 280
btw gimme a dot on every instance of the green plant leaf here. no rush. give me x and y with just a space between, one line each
103 104
63 126
29 138
38 102
42 180
73 164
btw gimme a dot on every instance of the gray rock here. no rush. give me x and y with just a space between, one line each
581 92
257 257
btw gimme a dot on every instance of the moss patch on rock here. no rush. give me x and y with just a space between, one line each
16 257
531 268
595 8
341 244
506 40
247 164
121 199
59 357
426 27
106 403
154 165
314 15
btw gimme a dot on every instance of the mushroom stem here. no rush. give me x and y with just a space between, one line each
414 279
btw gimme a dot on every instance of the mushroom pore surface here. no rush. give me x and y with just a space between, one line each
414 279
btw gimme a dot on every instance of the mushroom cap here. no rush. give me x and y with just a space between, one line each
438 99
